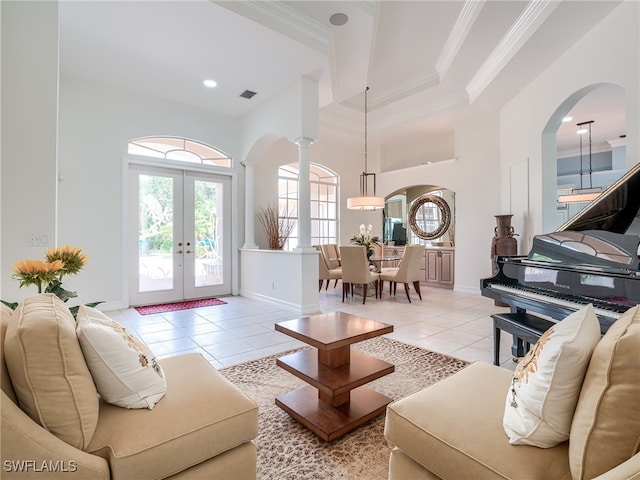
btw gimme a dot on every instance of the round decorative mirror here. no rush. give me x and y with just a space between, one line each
429 217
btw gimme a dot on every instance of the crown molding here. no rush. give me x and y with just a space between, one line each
617 142
422 109
280 17
535 13
344 122
424 81
461 29
575 152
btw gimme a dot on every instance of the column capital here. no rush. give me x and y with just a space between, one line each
304 141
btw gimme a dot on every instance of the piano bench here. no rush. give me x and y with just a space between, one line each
523 326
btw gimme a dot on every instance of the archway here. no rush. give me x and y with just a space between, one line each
602 103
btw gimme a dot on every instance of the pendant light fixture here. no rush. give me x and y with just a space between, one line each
583 194
364 201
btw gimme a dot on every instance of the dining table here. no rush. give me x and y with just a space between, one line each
376 260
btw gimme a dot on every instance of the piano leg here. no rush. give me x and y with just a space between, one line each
496 344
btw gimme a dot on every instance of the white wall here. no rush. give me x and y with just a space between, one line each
475 179
29 136
607 54
291 113
433 146
281 278
96 123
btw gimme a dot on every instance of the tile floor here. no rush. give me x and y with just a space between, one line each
445 321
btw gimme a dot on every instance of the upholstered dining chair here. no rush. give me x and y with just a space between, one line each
355 270
407 271
332 255
326 273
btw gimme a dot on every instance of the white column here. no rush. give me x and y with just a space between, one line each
249 213
304 195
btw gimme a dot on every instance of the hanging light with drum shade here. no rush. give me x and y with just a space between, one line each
586 194
364 201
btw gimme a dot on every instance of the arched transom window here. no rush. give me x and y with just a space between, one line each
180 149
324 202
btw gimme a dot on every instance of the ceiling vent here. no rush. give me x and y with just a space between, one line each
247 94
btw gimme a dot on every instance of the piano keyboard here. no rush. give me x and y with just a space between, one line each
601 307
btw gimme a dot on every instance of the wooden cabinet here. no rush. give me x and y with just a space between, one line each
438 267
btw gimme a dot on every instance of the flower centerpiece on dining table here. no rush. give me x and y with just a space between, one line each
366 239
47 274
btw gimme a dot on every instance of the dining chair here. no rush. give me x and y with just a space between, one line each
331 254
326 273
407 271
355 271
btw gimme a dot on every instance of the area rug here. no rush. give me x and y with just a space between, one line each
172 307
287 450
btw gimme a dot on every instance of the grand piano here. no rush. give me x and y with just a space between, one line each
592 258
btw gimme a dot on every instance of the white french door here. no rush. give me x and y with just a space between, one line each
180 244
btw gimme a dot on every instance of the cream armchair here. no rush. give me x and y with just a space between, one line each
202 428
453 429
407 271
356 271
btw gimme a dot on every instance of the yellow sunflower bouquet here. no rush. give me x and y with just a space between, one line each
47 274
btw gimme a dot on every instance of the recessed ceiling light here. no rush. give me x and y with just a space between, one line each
338 19
210 83
567 119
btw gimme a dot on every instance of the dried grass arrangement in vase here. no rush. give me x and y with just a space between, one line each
276 227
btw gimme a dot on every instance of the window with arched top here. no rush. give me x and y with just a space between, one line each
324 202
179 149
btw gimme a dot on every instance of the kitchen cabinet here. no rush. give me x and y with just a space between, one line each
437 269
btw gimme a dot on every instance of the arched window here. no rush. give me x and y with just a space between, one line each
180 149
324 202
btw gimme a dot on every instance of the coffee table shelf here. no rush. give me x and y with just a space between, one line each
360 370
336 400
330 422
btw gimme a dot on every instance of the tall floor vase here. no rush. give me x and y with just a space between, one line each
502 243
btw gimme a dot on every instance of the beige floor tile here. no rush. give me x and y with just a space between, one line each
243 329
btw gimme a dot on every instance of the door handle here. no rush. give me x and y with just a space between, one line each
188 251
179 251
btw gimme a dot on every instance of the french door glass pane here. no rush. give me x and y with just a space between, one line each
155 233
208 233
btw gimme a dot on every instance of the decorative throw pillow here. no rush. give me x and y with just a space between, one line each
125 372
546 383
606 424
49 375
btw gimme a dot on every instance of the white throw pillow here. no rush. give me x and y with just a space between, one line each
124 370
546 383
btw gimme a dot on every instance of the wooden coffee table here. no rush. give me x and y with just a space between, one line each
336 400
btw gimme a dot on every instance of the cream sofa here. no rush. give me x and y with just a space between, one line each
454 428
202 428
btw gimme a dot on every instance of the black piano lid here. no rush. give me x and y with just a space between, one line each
614 210
591 247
